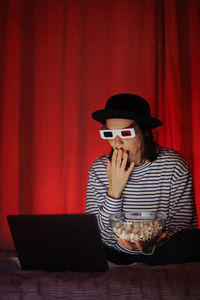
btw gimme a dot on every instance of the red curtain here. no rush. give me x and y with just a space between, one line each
60 61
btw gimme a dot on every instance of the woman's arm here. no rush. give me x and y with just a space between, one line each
182 208
99 203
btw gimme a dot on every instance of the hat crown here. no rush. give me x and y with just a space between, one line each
127 106
128 102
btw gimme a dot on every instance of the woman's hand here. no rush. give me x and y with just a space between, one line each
138 245
128 245
117 173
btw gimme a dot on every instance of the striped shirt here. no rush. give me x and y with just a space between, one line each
164 185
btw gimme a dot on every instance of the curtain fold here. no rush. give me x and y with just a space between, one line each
60 61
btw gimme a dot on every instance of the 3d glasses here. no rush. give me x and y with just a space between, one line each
125 133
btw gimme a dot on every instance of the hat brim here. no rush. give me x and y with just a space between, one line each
102 115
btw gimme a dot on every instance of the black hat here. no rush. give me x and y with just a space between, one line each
127 106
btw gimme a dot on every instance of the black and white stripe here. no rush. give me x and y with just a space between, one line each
164 185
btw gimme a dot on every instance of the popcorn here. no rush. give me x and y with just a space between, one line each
134 231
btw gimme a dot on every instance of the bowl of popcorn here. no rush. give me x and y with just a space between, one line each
143 226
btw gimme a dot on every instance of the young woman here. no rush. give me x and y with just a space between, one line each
140 175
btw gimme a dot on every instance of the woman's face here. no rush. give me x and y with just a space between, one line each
133 146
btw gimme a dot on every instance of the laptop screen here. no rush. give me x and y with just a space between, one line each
62 242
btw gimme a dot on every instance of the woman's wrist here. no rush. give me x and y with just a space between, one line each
114 195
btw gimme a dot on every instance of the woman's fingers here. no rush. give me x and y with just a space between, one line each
116 172
162 236
126 244
138 245
119 157
108 166
114 157
125 159
130 168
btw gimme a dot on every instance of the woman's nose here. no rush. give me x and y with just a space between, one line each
118 141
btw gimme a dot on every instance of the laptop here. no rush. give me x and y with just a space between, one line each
56 243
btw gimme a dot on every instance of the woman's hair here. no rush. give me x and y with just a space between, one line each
149 150
149 146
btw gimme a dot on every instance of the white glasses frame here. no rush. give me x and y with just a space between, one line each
117 132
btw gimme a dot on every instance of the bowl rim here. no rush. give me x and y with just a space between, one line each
163 218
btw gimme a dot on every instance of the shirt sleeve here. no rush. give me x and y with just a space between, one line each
100 204
182 208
